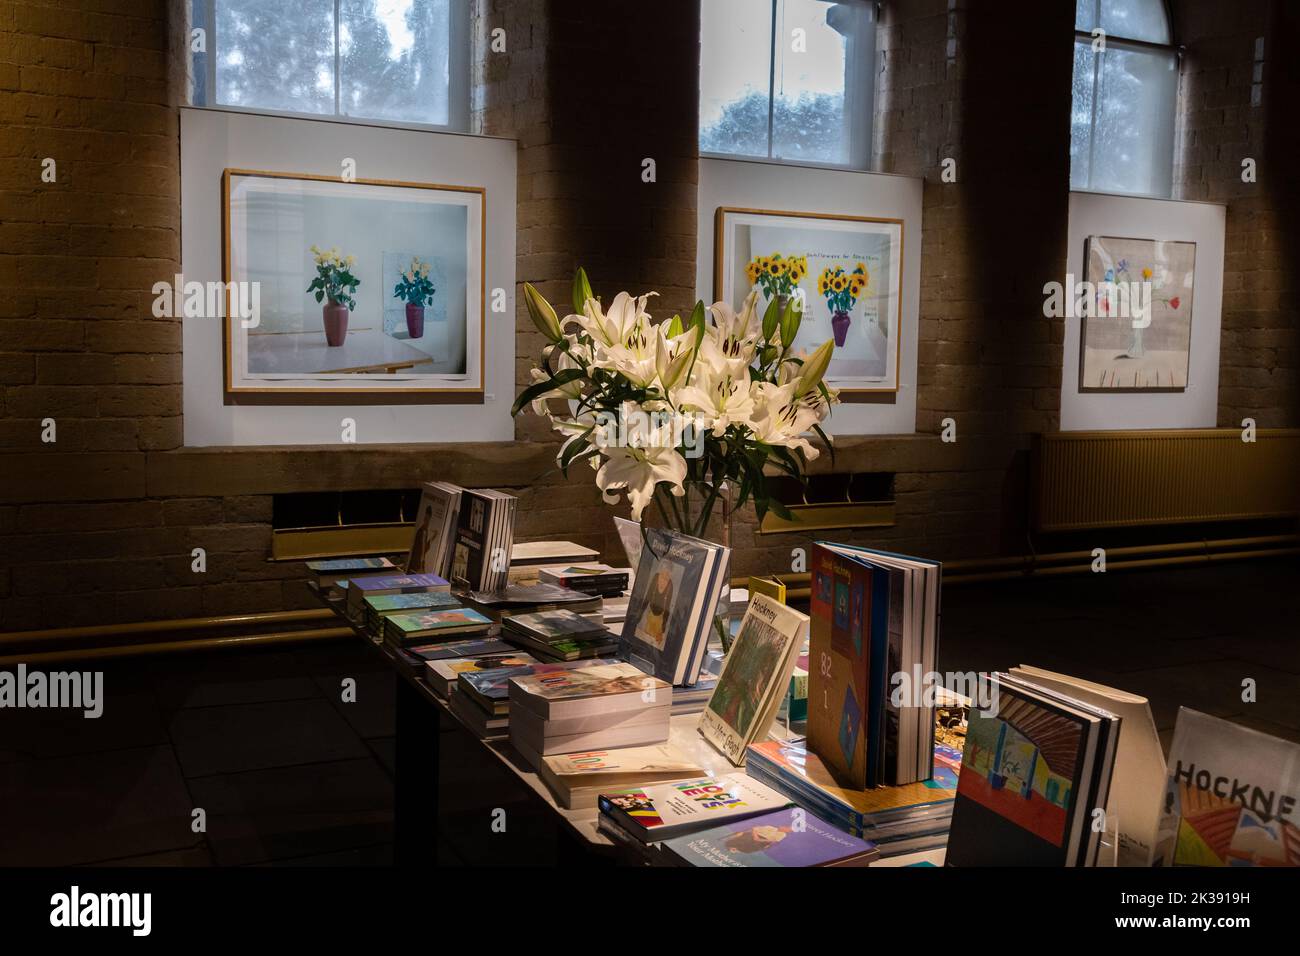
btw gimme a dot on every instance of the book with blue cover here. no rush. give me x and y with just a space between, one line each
360 588
791 837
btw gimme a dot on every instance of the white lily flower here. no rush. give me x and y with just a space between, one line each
737 334
720 396
783 418
611 327
571 390
642 459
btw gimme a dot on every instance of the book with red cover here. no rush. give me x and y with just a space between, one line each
839 666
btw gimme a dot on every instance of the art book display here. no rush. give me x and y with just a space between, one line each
1232 797
1137 331
485 528
1035 769
755 676
670 612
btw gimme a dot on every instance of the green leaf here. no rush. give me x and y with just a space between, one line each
562 377
825 441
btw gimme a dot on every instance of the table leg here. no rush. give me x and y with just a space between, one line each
415 784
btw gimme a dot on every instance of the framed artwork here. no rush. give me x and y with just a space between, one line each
368 286
1137 330
847 270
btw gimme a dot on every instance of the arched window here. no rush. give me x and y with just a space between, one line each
1125 96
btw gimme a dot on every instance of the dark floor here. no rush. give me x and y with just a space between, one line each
289 774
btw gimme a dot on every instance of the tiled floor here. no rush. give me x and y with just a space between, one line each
287 773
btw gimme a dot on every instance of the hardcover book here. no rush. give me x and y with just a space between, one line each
782 838
658 812
670 611
1035 768
1231 798
755 677
435 524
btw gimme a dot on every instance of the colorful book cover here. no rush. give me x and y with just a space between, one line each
604 679
391 603
478 647
450 670
558 625
494 684
651 813
460 617
839 654
337 565
399 582
1232 796
1021 776
783 838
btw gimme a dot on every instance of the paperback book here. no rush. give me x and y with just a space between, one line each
428 626
331 570
576 779
535 737
658 812
442 675
602 687
755 677
671 608
491 689
1231 797
379 606
484 533
435 525
782 838
360 588
415 658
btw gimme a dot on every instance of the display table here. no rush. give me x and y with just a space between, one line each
363 350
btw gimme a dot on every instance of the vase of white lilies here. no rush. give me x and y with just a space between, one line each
680 414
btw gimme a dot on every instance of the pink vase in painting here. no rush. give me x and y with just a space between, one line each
414 320
336 323
840 326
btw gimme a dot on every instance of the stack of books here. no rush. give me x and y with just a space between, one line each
650 813
331 571
417 658
377 607
693 699
902 819
435 523
590 578
428 627
529 598
603 706
578 779
874 615
527 558
443 673
670 613
560 635
485 530
482 699
360 588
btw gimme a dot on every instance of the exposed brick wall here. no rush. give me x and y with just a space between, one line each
98 527
1227 118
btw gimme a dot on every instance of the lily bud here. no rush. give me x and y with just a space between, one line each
674 327
542 314
814 367
771 317
790 323
581 290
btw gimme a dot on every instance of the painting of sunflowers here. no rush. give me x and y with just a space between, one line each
844 271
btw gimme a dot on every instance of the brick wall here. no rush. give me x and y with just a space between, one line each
1229 114
99 526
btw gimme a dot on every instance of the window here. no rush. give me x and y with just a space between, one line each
402 61
788 79
1125 95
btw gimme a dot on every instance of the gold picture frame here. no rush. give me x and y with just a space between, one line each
381 379
862 387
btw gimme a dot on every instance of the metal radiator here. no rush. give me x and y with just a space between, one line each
1085 480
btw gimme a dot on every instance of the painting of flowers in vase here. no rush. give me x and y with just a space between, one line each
845 272
1136 315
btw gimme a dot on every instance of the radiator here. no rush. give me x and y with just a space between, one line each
1084 480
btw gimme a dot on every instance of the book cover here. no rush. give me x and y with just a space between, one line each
493 686
349 565
839 655
478 647
553 694
435 518
1231 798
652 813
443 673
669 610
783 838
450 619
1026 782
385 604
557 626
755 676
484 532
